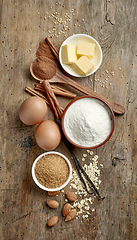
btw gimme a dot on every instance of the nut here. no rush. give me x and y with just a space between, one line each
52 221
66 209
52 203
53 193
71 196
71 215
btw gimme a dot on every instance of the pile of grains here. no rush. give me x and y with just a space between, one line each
61 23
84 200
51 171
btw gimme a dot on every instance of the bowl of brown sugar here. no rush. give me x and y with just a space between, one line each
51 171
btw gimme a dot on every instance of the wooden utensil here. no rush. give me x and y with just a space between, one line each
58 114
59 77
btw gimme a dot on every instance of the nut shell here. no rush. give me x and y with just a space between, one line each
53 193
52 221
66 209
52 203
71 215
71 196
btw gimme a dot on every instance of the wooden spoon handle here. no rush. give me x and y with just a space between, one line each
117 108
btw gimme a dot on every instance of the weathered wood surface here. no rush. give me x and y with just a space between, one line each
23 210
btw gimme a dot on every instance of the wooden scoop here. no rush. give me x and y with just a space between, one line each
59 77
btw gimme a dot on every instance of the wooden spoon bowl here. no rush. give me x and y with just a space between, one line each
33 75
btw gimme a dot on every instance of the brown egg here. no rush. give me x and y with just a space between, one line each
33 110
48 135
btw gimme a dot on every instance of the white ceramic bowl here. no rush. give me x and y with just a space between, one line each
51 189
74 40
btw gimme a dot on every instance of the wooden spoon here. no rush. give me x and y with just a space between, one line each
59 77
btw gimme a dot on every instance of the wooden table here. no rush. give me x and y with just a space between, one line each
114 25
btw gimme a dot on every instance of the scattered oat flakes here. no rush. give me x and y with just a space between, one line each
95 157
84 201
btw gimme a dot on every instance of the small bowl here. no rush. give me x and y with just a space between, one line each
73 114
74 40
51 189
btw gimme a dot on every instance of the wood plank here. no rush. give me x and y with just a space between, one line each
24 211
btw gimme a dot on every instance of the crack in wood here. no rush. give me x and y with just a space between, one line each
108 20
25 215
28 214
110 12
115 160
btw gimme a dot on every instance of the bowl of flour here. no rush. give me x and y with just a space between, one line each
88 122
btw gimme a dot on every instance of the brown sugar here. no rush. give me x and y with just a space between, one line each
51 171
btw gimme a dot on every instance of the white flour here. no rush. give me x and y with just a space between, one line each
87 122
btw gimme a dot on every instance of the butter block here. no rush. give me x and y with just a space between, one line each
86 48
83 66
69 54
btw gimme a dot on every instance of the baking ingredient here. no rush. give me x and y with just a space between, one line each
35 93
52 203
83 66
52 171
61 23
57 90
72 214
45 50
87 122
52 221
71 196
43 68
53 100
86 49
48 135
85 202
69 54
33 110
66 209
53 193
